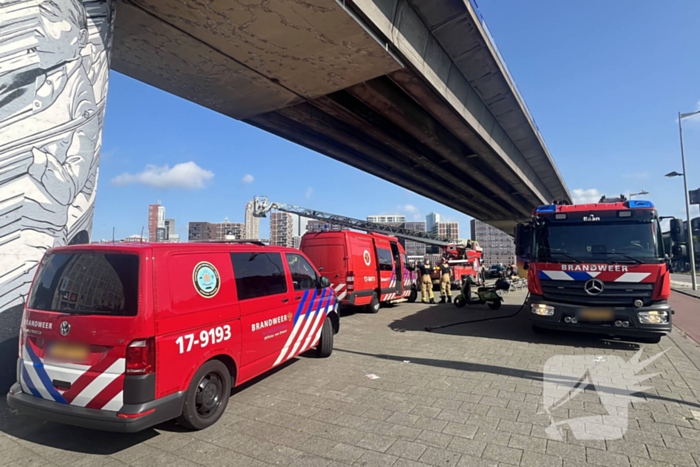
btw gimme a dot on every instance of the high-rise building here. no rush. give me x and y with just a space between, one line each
430 220
203 231
296 242
226 229
281 229
496 245
170 235
199 231
301 228
387 219
446 229
252 223
156 221
415 248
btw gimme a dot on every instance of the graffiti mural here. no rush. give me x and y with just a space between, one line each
54 66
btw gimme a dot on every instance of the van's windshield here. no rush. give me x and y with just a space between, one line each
87 283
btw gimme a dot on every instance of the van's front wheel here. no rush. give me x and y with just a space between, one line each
207 396
325 344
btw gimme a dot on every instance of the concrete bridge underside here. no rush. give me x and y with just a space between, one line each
411 91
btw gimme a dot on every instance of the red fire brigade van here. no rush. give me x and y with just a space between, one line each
121 337
363 269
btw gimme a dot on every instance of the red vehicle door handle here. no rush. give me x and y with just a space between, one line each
297 298
285 300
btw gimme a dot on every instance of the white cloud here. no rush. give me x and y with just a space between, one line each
309 191
187 175
247 179
636 175
582 196
408 208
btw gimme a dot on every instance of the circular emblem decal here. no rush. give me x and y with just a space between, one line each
64 328
206 279
366 256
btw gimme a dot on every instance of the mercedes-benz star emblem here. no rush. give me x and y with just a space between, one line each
594 287
65 328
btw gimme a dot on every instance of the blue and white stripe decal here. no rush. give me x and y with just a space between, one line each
567 275
320 313
310 313
291 337
35 376
308 323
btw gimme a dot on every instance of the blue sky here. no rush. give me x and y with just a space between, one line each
604 81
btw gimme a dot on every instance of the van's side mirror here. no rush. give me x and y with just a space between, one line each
679 250
325 282
677 231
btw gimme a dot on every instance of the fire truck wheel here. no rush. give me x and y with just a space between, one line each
413 297
494 305
207 396
373 306
325 344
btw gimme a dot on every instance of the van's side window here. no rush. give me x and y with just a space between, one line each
385 261
258 274
303 275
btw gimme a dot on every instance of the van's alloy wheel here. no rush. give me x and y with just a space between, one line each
373 306
207 396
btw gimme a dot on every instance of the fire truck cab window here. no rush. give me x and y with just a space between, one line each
600 241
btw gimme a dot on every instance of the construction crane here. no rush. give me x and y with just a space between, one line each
261 206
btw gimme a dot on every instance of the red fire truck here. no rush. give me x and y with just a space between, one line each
598 268
465 260
365 269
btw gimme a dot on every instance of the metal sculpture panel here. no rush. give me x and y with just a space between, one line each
54 67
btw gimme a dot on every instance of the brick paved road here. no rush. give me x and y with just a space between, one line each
466 395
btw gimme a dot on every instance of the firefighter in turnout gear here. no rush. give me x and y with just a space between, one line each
445 284
426 283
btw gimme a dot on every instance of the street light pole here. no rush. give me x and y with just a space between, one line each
687 202
643 193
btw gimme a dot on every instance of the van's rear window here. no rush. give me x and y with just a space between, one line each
87 283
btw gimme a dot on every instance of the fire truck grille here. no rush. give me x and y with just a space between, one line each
614 293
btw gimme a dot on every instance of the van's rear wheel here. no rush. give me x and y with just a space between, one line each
373 306
325 344
207 396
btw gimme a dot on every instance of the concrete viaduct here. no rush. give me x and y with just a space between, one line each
412 91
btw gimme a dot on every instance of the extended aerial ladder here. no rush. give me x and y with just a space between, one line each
261 206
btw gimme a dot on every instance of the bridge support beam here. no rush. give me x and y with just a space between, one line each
53 88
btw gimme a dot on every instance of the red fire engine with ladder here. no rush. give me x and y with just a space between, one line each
464 261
